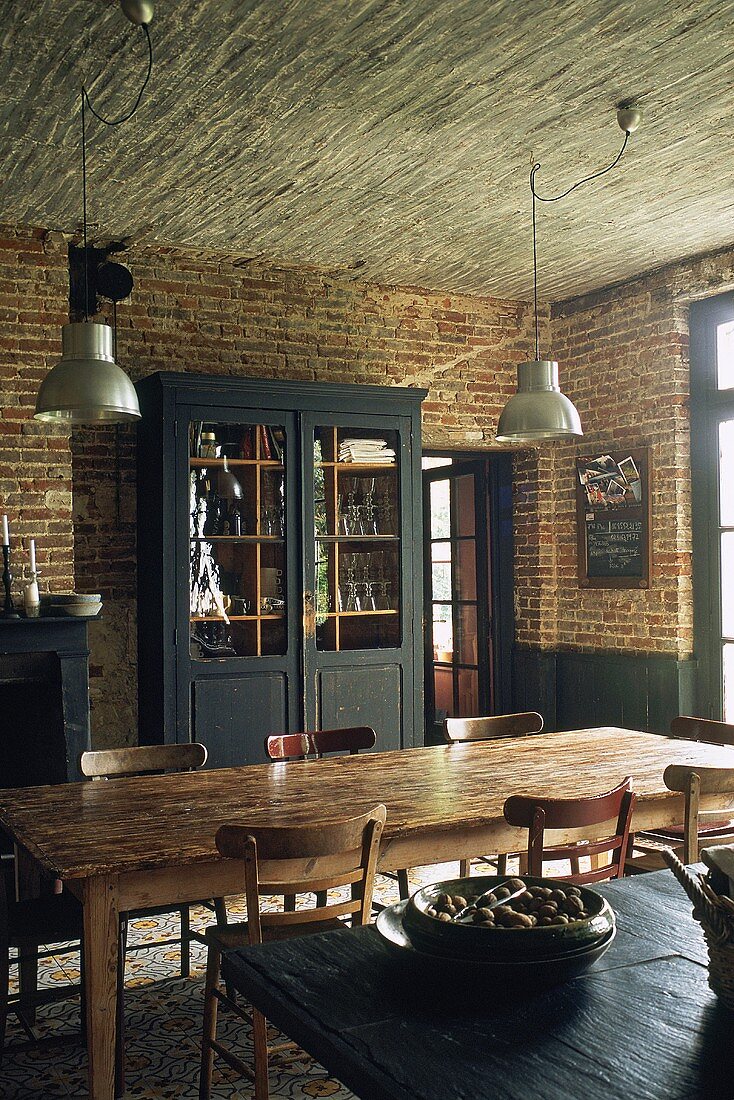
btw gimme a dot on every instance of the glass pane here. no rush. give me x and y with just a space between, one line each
441 581
443 693
726 472
467 640
468 683
432 462
466 570
440 509
464 504
357 524
727 584
237 558
443 633
728 665
725 355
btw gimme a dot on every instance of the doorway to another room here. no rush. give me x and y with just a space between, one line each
468 586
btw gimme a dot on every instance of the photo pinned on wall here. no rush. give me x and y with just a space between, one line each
610 484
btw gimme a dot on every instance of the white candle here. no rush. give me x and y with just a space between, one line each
6 532
33 555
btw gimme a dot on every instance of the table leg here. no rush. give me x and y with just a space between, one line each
101 924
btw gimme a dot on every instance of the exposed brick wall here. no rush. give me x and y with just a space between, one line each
207 315
35 460
623 356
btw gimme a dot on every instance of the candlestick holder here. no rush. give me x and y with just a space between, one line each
9 611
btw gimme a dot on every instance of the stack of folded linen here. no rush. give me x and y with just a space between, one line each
367 451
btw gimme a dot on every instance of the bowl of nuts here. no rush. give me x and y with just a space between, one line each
481 918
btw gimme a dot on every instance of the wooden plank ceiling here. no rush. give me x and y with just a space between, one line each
387 139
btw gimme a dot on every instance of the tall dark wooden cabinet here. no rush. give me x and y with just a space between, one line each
279 562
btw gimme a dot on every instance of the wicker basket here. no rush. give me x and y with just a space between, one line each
716 917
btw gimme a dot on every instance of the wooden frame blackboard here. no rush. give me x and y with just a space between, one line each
613 518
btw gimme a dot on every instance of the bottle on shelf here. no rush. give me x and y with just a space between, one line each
208 446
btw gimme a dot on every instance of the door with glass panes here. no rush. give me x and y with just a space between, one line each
712 463
359 599
239 546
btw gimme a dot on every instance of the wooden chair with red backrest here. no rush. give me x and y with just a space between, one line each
318 744
307 858
539 814
644 854
459 731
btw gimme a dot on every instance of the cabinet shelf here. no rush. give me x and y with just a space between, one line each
238 538
357 538
200 463
357 614
232 618
383 467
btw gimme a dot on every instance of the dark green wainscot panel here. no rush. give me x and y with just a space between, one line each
581 690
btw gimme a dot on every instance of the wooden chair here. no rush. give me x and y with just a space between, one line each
26 926
111 764
645 847
321 743
692 782
538 814
304 858
458 731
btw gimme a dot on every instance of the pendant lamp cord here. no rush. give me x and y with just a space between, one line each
555 198
86 102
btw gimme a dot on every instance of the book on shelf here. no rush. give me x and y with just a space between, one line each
247 448
265 450
277 441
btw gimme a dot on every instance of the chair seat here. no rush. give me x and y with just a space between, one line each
720 826
235 935
52 919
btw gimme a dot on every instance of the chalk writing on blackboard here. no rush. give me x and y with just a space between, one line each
614 548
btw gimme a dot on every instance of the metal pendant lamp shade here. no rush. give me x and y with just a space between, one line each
538 411
86 386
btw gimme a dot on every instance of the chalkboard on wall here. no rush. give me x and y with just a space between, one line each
613 519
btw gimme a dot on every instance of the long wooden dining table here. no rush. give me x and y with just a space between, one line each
136 842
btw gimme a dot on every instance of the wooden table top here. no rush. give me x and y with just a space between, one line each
641 1022
76 830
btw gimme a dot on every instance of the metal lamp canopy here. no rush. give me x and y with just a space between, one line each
539 411
86 386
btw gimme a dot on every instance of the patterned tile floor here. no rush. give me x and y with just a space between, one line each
163 1017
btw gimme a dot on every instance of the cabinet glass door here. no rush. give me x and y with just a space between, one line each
237 540
357 539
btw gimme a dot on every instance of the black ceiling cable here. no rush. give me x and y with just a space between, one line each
86 102
555 198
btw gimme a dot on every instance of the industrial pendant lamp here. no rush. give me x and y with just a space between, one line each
86 386
539 411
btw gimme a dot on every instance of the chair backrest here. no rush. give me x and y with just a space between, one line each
693 782
142 760
289 746
299 746
457 730
314 857
702 729
350 740
539 814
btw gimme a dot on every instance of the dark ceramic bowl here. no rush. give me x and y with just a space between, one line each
480 973
503 944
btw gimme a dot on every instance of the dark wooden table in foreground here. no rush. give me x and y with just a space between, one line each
136 842
641 1023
